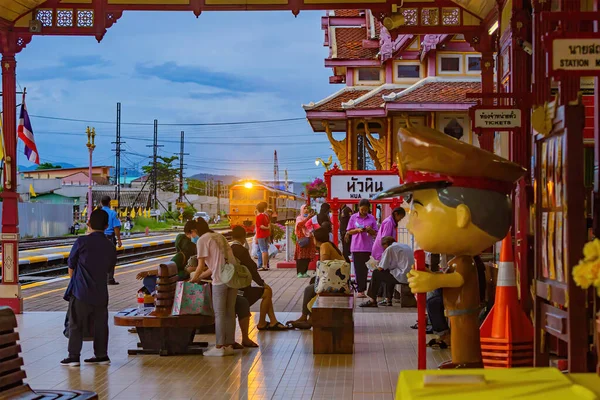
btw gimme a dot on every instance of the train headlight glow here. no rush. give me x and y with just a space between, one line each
248 185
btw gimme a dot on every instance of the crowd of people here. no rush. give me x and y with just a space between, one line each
202 253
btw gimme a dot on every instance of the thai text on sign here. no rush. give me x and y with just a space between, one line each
350 187
576 54
497 118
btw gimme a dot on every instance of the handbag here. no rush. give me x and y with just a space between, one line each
233 274
303 242
333 276
273 250
192 298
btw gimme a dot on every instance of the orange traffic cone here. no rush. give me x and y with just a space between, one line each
507 333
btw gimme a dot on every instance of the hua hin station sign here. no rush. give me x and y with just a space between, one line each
356 187
349 187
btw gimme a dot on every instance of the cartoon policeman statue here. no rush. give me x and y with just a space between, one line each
460 205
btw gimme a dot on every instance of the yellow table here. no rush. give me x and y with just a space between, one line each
515 383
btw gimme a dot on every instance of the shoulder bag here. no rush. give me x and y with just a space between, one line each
303 241
233 274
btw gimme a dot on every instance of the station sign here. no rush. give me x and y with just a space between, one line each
574 56
497 119
356 187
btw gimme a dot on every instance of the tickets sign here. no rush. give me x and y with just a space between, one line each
498 119
575 56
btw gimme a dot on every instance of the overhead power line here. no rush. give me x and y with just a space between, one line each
266 121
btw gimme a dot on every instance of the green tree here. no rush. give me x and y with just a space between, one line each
195 186
188 213
166 173
48 165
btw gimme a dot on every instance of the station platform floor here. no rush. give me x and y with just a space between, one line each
282 367
57 253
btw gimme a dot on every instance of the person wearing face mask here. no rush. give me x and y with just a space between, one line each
186 249
362 227
211 256
305 247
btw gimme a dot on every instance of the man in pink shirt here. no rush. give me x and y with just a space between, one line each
389 227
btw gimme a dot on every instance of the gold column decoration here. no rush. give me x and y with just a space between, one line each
378 145
390 140
350 142
339 147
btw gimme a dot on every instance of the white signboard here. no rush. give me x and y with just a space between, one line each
497 118
352 187
576 54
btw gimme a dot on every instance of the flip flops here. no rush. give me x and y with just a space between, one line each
437 344
298 325
277 327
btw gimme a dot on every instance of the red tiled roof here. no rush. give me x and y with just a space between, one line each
440 92
376 100
349 44
347 13
335 104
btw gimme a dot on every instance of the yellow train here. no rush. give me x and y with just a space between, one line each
243 198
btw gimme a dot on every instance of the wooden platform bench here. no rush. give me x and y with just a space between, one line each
333 325
159 331
11 374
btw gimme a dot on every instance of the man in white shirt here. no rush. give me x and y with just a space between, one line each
396 261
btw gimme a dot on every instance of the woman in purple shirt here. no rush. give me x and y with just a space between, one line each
363 229
389 227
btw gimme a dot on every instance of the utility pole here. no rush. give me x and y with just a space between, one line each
117 151
181 154
219 197
155 147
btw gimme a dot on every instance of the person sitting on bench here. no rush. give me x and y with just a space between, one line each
327 251
185 250
396 262
254 293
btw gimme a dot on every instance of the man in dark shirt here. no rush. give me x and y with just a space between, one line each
90 260
254 293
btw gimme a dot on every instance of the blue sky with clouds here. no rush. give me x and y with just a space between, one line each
221 67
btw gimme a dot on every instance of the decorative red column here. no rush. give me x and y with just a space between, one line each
10 289
486 139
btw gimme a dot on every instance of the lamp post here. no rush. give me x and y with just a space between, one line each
91 135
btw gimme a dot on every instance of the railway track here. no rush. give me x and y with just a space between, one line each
39 243
35 273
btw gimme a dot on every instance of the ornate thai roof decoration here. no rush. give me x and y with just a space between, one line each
430 42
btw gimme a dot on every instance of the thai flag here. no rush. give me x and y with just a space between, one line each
26 135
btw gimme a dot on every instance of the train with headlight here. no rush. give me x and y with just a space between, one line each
244 196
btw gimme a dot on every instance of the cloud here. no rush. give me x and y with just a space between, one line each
212 95
173 72
73 68
90 60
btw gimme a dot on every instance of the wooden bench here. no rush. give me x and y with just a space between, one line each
11 374
333 325
159 331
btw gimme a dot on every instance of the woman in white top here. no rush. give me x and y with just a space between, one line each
211 258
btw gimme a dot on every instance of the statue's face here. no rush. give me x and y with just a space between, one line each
438 228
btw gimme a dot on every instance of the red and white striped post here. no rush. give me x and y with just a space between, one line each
421 315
